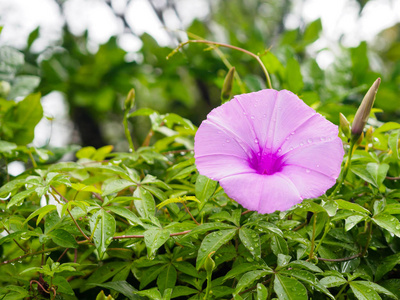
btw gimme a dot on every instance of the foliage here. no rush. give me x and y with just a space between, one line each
146 225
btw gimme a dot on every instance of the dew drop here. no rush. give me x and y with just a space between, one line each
292 133
307 171
309 141
301 144
256 141
252 117
317 166
279 150
228 141
291 148
264 115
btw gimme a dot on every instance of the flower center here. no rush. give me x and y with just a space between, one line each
266 163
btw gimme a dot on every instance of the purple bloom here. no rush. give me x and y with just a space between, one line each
269 150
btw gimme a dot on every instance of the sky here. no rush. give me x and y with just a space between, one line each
339 18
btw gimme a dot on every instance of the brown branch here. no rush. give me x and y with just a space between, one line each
98 196
393 178
39 284
65 251
246 212
340 259
146 141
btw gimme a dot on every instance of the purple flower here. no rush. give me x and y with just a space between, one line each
269 150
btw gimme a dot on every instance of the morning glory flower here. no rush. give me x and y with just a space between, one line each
269 150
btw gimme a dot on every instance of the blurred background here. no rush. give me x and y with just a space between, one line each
85 55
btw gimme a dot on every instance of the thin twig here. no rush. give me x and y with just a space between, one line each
65 251
22 248
227 46
246 212
392 178
39 284
188 211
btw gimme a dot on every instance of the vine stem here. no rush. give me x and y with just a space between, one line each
346 168
311 256
8 232
368 240
256 57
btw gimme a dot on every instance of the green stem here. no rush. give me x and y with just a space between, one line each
269 85
346 168
327 227
34 164
209 274
311 256
341 291
270 287
368 240
127 132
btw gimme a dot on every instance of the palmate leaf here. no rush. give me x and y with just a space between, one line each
146 206
250 278
204 188
63 238
289 288
167 278
212 242
154 239
388 222
102 226
251 240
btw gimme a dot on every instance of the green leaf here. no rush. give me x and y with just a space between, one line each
122 287
186 268
115 185
262 292
154 239
308 278
250 278
146 207
41 211
332 281
105 272
212 242
293 75
63 238
386 265
23 85
373 173
393 143
10 61
19 197
362 293
311 34
152 294
352 206
376 287
204 188
167 278
242 268
388 222
126 213
32 37
279 245
102 226
62 285
289 288
11 186
7 147
305 265
27 115
251 240
352 221
150 274
180 291
203 228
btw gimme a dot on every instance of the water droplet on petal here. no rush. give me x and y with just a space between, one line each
256 141
292 132
322 139
301 144
228 141
279 150
252 117
309 141
307 171
291 148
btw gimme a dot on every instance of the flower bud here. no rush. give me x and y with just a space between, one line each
209 264
344 125
130 100
226 92
364 110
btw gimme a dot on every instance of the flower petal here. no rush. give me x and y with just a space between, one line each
264 194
